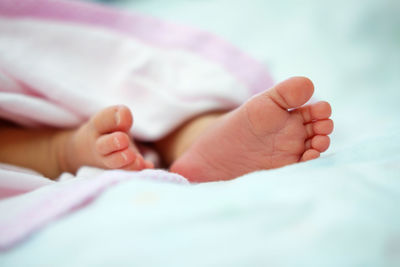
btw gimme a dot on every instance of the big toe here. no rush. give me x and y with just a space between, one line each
292 93
111 119
267 112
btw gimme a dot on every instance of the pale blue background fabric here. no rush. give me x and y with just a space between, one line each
340 210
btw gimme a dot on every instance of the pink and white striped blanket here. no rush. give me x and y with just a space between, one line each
61 61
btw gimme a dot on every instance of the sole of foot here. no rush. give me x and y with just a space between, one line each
272 129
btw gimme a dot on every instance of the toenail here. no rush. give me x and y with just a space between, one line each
124 156
117 142
117 117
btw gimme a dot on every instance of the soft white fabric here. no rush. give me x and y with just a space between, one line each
59 74
340 210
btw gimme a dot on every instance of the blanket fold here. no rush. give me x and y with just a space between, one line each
80 62
62 61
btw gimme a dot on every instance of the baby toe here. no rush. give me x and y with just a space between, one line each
111 119
310 154
320 142
318 111
292 93
321 110
138 164
323 127
110 143
119 159
148 164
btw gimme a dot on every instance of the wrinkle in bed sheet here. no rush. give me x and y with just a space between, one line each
22 215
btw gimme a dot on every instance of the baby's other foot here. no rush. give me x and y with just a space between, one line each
271 130
103 142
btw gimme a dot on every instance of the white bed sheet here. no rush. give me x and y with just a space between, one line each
340 210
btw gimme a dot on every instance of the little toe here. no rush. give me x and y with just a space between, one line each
318 111
110 143
320 142
120 159
292 93
148 164
115 118
137 165
310 154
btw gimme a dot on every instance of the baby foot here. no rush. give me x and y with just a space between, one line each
270 130
102 142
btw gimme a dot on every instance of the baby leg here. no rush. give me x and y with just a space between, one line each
102 142
270 130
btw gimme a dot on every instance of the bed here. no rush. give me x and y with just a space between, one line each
339 210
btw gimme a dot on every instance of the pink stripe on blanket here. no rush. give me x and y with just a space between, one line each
54 201
148 29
